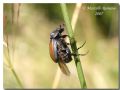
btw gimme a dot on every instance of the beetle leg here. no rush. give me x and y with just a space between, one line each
73 54
84 53
81 45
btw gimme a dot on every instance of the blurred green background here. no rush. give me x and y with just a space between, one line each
29 45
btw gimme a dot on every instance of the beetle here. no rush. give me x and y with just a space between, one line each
59 50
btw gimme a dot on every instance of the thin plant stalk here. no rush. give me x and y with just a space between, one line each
11 66
75 15
15 21
73 46
57 78
15 17
6 44
73 22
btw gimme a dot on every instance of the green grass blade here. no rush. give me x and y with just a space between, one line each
73 46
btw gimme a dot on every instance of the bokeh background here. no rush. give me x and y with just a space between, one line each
26 44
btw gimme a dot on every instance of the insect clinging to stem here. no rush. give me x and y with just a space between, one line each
59 50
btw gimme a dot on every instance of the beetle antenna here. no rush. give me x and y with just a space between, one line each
61 29
60 26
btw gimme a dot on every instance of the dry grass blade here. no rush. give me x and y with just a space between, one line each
16 12
6 42
75 15
57 78
15 23
4 27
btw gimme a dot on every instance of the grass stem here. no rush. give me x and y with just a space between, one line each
73 46
17 78
11 66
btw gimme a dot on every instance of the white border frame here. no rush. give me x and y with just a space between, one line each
35 1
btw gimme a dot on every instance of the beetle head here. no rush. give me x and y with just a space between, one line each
57 33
